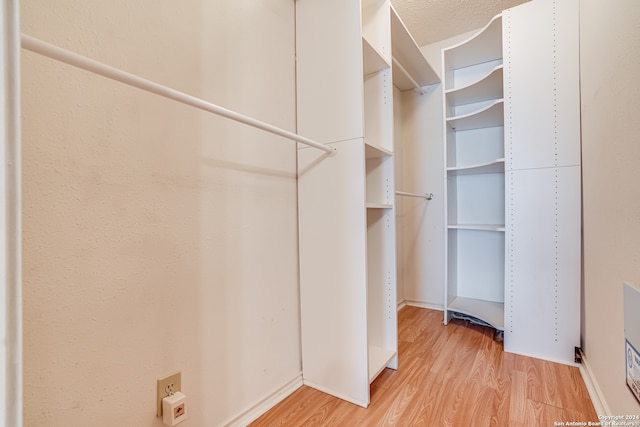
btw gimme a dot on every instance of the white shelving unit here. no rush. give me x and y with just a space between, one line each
378 138
346 202
513 178
473 103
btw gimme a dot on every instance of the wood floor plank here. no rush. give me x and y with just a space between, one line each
426 405
397 412
455 375
518 397
501 415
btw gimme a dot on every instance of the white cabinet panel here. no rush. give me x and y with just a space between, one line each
329 70
542 268
541 81
542 155
333 270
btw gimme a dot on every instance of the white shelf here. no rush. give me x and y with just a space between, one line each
378 206
372 60
373 151
409 56
489 116
489 86
476 227
489 311
495 166
379 358
484 46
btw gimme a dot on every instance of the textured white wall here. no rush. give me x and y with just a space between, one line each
157 237
610 65
419 154
422 169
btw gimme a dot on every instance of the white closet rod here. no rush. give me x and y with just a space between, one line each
406 73
54 52
428 196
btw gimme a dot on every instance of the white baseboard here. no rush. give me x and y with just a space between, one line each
595 393
266 403
570 362
402 304
338 395
421 304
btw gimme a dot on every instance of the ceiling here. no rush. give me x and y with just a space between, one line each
430 21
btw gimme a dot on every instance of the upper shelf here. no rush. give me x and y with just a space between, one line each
490 116
407 53
372 60
485 46
489 86
373 151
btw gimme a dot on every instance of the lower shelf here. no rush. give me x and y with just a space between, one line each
489 311
379 206
378 358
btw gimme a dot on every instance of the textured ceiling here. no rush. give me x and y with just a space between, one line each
430 21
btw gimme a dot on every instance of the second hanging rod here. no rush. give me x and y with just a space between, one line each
428 196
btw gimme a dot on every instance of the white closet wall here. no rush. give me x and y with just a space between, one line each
609 42
422 261
157 237
422 257
416 89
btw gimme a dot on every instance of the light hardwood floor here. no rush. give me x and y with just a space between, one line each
455 375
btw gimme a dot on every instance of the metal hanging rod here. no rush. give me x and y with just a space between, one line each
415 84
54 52
428 196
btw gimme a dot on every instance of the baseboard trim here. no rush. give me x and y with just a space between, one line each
542 357
338 395
420 304
595 393
266 403
402 304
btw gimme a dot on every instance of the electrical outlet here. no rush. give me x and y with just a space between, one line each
166 386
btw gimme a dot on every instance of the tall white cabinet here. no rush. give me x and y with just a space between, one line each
512 125
346 202
543 179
